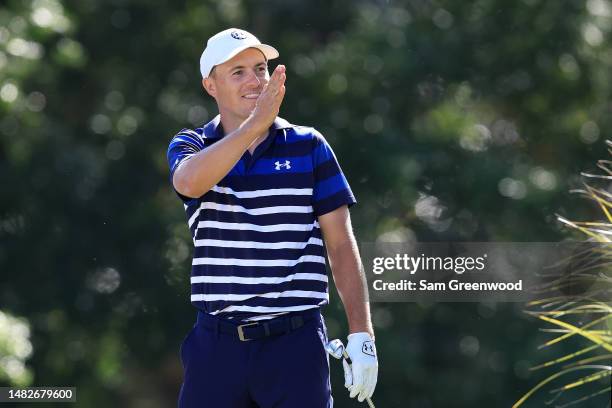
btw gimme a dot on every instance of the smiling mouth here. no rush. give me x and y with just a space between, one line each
251 96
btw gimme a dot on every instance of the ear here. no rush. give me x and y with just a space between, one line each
209 86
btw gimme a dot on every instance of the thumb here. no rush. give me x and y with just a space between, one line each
348 374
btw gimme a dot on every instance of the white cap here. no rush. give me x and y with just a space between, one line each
227 44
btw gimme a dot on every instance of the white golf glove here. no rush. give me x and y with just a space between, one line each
361 376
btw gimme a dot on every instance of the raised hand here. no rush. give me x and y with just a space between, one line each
269 101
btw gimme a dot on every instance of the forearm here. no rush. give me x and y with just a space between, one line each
350 281
197 175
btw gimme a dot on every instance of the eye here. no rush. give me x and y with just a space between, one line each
262 70
238 72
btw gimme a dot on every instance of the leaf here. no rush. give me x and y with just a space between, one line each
575 330
566 357
549 379
589 378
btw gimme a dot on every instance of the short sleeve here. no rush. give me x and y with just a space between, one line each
182 147
331 189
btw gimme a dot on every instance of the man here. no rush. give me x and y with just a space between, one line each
261 195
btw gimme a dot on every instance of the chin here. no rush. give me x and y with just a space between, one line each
249 110
245 114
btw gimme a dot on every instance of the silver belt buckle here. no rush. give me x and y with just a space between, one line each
241 330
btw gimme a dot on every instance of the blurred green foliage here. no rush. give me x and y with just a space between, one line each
15 348
452 120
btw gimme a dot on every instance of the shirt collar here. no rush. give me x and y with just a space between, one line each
214 130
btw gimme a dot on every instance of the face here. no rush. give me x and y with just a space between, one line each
237 83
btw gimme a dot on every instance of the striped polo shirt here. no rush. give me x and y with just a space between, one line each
258 249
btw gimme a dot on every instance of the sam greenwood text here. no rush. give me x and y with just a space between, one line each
454 285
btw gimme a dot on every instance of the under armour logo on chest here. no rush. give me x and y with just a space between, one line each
278 165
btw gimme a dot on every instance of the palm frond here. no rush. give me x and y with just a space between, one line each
586 314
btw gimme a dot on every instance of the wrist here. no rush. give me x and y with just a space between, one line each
361 334
255 127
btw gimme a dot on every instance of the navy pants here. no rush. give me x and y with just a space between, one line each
289 370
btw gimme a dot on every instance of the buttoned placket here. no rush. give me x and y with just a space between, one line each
250 159
215 130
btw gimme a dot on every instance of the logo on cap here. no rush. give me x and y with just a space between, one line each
238 35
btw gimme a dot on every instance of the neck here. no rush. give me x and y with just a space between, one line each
231 123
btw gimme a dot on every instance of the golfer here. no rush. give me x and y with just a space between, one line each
263 199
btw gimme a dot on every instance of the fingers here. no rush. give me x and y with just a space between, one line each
274 91
279 74
280 95
357 381
348 374
372 384
363 391
367 385
362 382
277 80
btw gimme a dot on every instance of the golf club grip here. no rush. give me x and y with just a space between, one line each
346 357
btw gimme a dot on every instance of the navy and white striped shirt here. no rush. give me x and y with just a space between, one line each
258 249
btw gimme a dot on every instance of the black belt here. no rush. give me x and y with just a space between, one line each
259 329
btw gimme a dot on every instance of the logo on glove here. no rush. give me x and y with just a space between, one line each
368 348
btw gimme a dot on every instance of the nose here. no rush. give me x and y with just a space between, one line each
254 81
